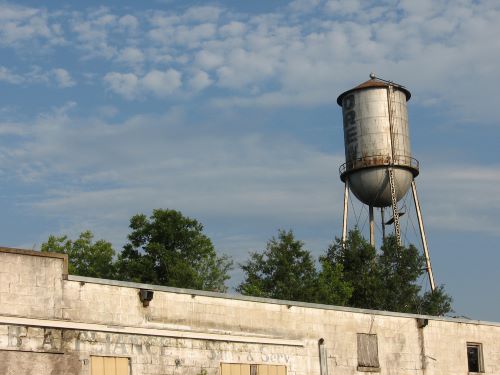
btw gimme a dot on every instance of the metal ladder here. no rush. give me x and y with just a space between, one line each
395 213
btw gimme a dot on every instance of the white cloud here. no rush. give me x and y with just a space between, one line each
463 198
232 28
7 76
107 111
208 60
11 128
199 81
125 84
427 47
191 36
130 86
303 5
162 83
343 8
18 13
19 24
185 35
262 178
58 77
131 56
243 68
202 13
93 31
22 23
62 78
162 35
300 52
128 21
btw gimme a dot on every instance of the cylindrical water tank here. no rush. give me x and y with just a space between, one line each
376 137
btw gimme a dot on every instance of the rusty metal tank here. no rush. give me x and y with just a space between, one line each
376 137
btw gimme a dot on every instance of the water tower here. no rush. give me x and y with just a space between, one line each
379 168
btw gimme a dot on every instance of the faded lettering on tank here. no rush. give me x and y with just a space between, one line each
350 128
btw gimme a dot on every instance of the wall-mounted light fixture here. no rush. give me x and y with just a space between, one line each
145 295
422 322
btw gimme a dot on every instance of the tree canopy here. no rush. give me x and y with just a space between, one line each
352 274
359 263
388 279
86 257
285 270
165 249
170 249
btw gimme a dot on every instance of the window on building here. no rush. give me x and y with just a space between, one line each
109 365
247 369
475 357
368 352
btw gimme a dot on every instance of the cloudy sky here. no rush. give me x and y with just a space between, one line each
227 111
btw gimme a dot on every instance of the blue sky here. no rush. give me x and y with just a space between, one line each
227 112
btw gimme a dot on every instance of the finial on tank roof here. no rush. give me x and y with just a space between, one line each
372 75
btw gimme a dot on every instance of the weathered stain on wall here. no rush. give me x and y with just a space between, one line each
32 363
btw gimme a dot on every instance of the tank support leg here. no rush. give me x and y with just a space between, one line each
422 236
383 222
372 227
346 200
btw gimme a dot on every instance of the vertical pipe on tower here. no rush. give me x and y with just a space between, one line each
372 226
344 224
383 222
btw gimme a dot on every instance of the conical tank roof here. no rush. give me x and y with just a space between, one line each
373 82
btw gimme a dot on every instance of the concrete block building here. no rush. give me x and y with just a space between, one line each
55 323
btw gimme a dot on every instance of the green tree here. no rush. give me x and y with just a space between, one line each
332 288
436 302
285 270
170 249
400 268
358 260
387 280
85 257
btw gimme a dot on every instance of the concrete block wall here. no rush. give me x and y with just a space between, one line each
398 336
31 283
445 345
191 332
104 304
